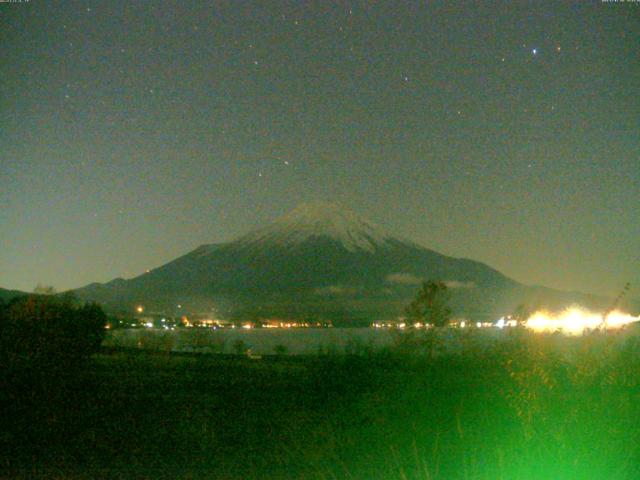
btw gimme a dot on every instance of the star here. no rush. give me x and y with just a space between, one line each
534 51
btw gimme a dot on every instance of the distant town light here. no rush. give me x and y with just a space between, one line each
576 321
139 309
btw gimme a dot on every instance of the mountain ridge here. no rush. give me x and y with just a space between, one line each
318 260
8 295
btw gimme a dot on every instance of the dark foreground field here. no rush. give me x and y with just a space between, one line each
519 410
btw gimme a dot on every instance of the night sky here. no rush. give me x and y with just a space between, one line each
132 132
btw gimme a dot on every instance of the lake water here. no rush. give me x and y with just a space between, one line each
301 341
264 341
261 341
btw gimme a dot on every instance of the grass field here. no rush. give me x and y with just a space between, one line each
519 410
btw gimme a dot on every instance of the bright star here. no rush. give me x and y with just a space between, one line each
534 51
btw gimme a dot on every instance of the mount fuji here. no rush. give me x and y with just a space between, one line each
319 261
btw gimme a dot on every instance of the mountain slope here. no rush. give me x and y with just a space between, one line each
7 295
317 261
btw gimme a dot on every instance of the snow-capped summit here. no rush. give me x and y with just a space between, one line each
317 220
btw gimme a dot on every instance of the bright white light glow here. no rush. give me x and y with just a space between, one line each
576 320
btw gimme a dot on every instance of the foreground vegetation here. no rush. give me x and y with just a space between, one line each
517 410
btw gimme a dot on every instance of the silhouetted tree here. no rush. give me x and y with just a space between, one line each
431 305
44 290
280 350
45 331
240 347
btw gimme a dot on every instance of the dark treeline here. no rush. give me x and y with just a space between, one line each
47 332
